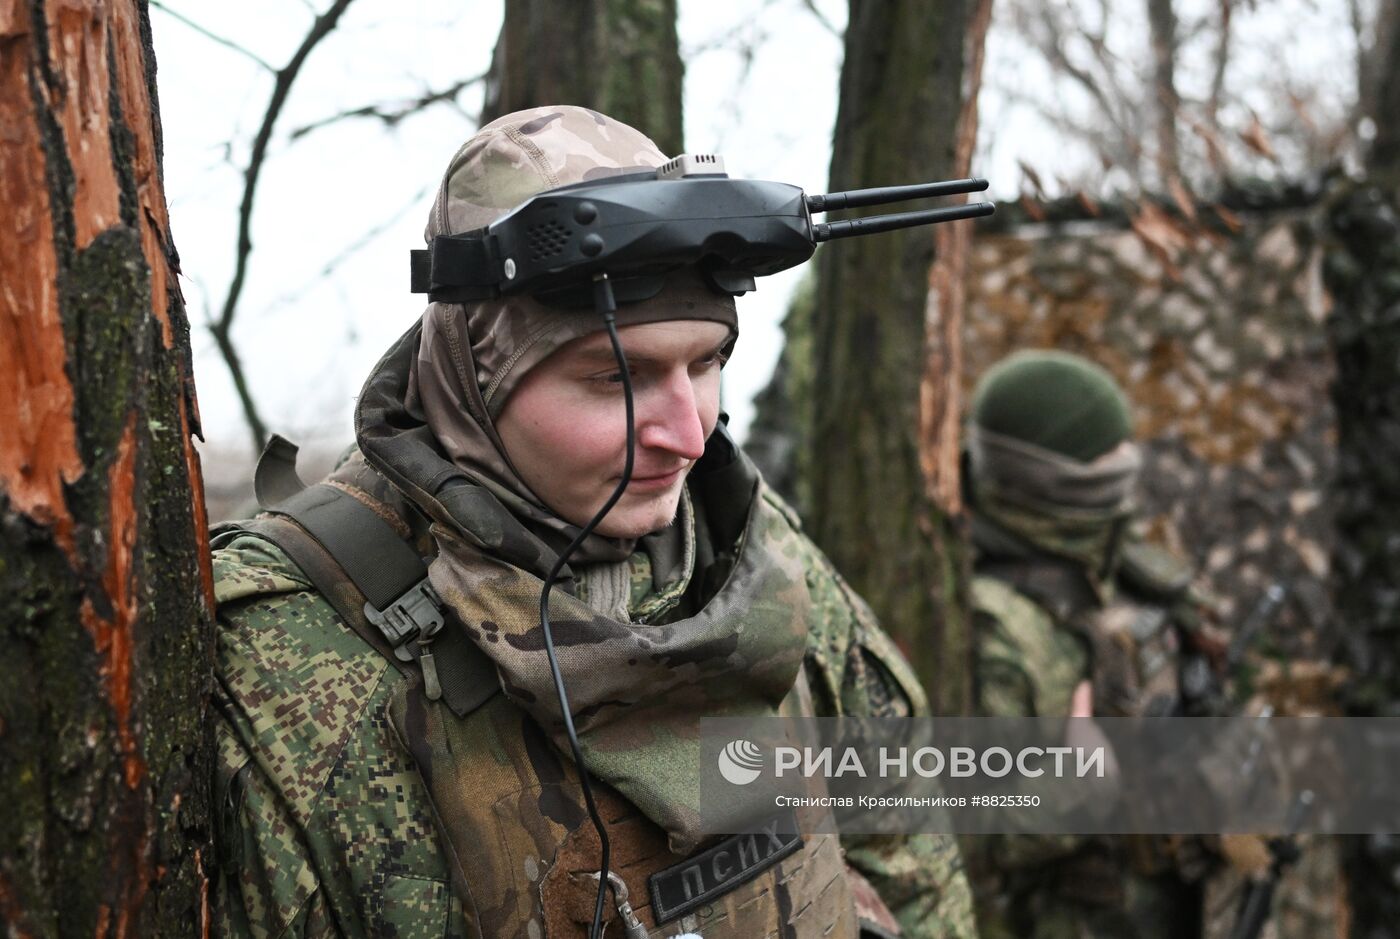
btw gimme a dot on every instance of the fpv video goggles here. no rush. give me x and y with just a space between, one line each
636 227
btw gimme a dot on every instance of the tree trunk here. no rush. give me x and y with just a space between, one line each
1384 158
1161 19
879 502
620 57
1362 275
105 589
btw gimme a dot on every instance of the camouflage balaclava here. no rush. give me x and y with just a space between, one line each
473 355
1051 452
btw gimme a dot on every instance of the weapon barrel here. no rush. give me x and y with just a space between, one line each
1258 903
829 231
855 198
1269 602
1259 895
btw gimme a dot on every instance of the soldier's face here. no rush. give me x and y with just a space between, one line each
565 426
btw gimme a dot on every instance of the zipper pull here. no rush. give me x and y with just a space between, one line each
431 686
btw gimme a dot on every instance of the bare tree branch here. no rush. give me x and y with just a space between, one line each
391 116
221 40
1115 132
1157 121
744 40
1112 147
1054 50
286 75
739 37
1217 81
1213 137
811 6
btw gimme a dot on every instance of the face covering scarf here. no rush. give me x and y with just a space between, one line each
1070 508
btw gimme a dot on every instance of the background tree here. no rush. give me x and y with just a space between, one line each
620 57
105 592
879 463
1363 275
1161 20
1150 97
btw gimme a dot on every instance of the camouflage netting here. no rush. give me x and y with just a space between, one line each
1212 320
1363 274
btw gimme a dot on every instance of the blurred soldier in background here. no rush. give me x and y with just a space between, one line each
1075 615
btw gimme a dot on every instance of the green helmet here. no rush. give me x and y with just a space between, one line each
1053 400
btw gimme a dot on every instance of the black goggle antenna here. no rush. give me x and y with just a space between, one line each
884 195
871 225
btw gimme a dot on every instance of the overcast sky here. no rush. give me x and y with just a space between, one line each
339 208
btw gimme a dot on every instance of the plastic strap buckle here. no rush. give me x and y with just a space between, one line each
417 614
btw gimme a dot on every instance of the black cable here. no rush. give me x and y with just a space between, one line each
606 304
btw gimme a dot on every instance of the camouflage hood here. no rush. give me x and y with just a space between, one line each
473 355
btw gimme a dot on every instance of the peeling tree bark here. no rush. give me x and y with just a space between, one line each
105 588
880 490
620 57
940 394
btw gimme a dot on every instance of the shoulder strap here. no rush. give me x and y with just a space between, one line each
1059 587
372 577
377 560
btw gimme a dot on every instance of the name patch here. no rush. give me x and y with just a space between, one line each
714 872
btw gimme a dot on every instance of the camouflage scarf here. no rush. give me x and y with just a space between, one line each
1067 508
1043 477
1090 539
637 691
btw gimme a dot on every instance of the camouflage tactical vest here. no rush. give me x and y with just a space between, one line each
525 854
522 850
1130 626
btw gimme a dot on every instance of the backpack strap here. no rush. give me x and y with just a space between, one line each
381 565
372 577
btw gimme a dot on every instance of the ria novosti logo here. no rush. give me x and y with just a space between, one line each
741 762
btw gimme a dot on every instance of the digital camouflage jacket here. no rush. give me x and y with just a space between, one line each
327 822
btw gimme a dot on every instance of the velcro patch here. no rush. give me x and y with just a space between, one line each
714 872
